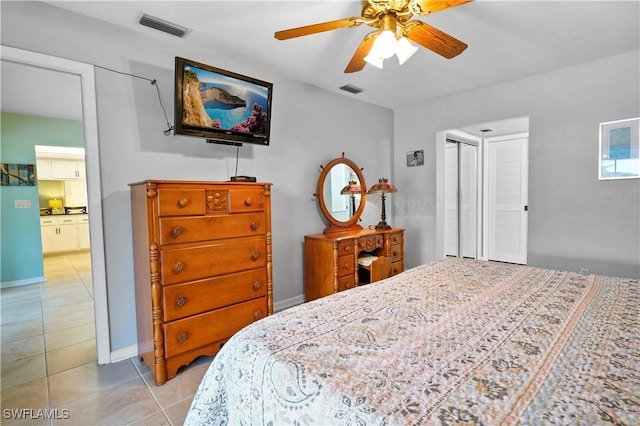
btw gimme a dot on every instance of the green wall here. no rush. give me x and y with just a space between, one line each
20 244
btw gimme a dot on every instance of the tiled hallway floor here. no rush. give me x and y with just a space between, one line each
49 360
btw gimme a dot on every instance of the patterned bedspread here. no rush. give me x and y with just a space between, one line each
460 342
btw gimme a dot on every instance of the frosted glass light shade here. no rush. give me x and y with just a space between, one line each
404 50
385 44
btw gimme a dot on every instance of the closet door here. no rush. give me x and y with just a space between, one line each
508 198
461 199
451 199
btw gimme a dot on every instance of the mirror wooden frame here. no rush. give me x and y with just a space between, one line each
334 225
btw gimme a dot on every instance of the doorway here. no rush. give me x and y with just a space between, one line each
85 74
482 201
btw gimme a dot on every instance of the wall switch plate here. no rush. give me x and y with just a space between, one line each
23 204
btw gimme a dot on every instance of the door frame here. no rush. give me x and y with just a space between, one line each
86 73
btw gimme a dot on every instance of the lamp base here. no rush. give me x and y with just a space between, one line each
383 225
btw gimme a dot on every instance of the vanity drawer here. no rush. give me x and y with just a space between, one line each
345 247
346 282
396 253
246 200
181 202
182 300
346 265
195 331
202 228
396 268
194 263
371 243
396 238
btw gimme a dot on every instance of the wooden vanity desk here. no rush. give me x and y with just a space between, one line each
345 255
331 260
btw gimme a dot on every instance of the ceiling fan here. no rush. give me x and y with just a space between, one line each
393 23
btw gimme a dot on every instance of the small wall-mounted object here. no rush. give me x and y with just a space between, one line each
415 158
619 149
17 174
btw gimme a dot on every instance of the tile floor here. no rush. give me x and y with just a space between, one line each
49 360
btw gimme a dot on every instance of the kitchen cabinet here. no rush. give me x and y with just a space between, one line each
64 233
60 168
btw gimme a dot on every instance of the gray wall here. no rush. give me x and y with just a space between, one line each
310 126
575 220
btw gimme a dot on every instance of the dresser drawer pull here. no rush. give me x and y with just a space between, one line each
182 337
183 202
248 201
181 301
395 253
257 285
347 249
257 314
255 255
255 225
177 231
179 267
347 266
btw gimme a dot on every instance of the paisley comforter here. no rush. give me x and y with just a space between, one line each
457 342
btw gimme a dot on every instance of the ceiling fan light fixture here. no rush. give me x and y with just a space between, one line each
385 44
374 60
404 50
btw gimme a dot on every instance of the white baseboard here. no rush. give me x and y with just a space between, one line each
18 283
124 353
288 303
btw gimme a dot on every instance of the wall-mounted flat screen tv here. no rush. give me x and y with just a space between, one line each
220 105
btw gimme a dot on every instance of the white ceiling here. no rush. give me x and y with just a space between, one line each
508 40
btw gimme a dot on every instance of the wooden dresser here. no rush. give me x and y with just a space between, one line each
331 260
203 267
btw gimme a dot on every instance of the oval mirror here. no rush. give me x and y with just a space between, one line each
341 194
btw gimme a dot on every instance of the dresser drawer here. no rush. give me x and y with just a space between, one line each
225 257
371 243
181 202
345 247
202 228
346 282
346 265
396 268
396 238
195 331
246 200
182 300
396 253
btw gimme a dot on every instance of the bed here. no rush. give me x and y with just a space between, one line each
457 342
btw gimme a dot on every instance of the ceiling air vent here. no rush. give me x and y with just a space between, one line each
351 89
162 25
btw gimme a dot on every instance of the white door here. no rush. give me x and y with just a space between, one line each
468 199
451 199
507 200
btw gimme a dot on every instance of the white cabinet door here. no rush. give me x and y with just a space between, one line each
83 232
508 197
64 169
49 234
67 233
43 168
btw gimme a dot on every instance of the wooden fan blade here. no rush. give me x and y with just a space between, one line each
425 7
318 28
357 62
434 39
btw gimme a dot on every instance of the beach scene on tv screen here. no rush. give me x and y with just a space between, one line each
216 101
